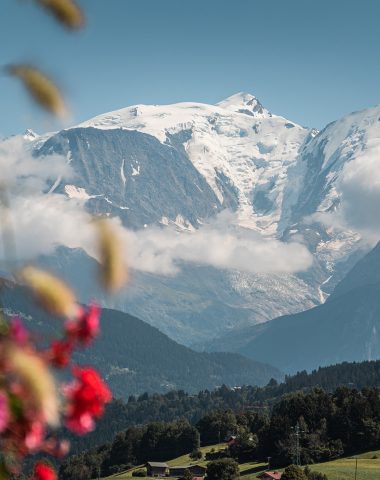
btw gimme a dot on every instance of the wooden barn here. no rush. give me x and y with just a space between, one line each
157 469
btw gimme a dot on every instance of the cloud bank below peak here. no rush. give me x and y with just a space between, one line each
219 244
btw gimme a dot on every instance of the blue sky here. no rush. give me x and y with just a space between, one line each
311 61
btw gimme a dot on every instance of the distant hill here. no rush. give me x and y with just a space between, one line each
345 328
135 357
365 272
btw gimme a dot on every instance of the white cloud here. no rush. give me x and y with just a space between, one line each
36 221
358 189
20 172
40 223
221 245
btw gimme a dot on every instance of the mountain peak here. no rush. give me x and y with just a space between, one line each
30 135
243 102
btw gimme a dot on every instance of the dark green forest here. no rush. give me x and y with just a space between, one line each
177 404
332 423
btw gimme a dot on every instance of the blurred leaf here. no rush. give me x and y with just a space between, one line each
113 268
66 12
40 87
51 292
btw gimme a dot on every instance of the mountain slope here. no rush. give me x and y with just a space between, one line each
135 357
345 328
365 272
197 304
134 176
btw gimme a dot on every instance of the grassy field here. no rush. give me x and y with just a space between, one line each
183 460
342 469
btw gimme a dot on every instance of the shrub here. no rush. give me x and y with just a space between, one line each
141 472
294 472
224 469
196 454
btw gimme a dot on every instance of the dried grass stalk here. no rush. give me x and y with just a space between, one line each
51 292
113 270
40 87
67 12
38 381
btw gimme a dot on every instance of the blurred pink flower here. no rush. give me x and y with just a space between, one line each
35 436
4 411
19 334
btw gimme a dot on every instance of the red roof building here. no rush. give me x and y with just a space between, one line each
270 475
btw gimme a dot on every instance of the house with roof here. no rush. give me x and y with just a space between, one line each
231 441
270 475
179 470
157 469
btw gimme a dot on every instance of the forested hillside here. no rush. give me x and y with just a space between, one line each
330 425
135 357
179 404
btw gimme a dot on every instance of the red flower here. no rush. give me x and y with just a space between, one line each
86 327
60 352
87 396
43 471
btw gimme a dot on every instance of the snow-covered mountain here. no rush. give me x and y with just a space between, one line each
182 165
240 149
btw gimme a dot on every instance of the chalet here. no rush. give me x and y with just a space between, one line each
194 478
270 475
231 441
195 470
157 469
